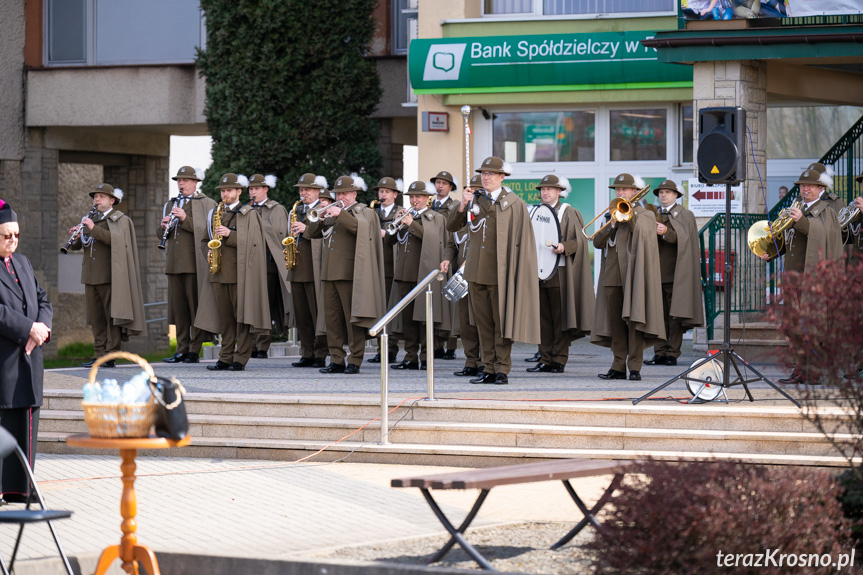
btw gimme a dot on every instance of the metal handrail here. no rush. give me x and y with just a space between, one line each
381 328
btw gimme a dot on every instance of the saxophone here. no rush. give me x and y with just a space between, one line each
214 257
290 242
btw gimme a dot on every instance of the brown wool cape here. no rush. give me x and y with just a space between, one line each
316 245
253 306
201 206
517 273
686 296
127 303
274 223
825 236
576 285
642 285
368 303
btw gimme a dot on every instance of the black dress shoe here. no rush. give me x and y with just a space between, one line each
352 369
237 366
655 360
536 357
219 366
438 353
423 366
406 365
556 368
471 371
191 358
333 368
320 362
262 355
109 363
635 375
792 379
89 363
484 378
375 359
304 362
539 367
449 354
501 379
670 360
176 358
612 374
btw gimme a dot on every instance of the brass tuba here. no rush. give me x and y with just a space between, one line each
765 237
847 215
214 257
290 242
620 210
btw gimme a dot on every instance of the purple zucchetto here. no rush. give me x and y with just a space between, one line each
7 214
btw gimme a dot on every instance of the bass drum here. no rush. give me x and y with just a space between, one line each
546 232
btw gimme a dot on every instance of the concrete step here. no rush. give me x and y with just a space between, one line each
754 350
618 415
508 435
757 331
425 454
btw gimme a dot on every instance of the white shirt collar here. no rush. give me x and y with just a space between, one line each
385 210
234 205
105 215
494 194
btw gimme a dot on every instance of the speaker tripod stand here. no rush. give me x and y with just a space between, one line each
728 357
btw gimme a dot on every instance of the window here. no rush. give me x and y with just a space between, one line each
687 134
565 7
123 32
638 135
404 24
545 136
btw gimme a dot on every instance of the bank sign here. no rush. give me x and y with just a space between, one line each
594 61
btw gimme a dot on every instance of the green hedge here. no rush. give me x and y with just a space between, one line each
289 90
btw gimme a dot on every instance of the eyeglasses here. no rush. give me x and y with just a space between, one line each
10 236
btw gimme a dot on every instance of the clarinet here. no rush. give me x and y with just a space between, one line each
76 233
171 223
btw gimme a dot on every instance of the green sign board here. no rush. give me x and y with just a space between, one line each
594 61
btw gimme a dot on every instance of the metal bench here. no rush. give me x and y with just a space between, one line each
484 479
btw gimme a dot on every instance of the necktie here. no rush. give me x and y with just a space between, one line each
11 270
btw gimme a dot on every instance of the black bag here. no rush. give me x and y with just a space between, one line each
171 419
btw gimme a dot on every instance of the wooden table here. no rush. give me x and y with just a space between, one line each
484 479
129 550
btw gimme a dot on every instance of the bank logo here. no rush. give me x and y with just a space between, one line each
444 62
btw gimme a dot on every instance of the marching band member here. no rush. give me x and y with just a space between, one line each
628 312
566 299
353 274
237 288
305 278
274 223
186 262
445 343
111 274
680 271
388 193
501 270
420 242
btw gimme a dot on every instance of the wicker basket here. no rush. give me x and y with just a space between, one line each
112 420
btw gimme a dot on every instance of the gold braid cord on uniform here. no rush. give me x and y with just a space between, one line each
215 244
290 242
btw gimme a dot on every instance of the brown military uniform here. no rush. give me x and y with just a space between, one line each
225 291
797 238
274 217
481 274
408 247
181 269
389 269
667 266
337 277
306 290
96 277
443 339
456 252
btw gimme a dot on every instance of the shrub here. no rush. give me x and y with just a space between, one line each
674 518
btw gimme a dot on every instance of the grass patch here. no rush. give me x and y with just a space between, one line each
74 354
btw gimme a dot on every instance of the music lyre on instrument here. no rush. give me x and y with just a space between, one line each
171 223
620 210
546 232
76 231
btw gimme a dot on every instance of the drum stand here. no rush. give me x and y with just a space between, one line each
729 357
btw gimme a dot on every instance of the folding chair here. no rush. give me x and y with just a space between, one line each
8 445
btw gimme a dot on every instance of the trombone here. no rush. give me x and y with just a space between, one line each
620 210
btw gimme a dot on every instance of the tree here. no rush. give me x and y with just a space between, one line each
289 89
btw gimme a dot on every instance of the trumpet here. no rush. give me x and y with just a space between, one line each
214 257
396 225
765 237
171 223
316 214
290 242
620 210
76 232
